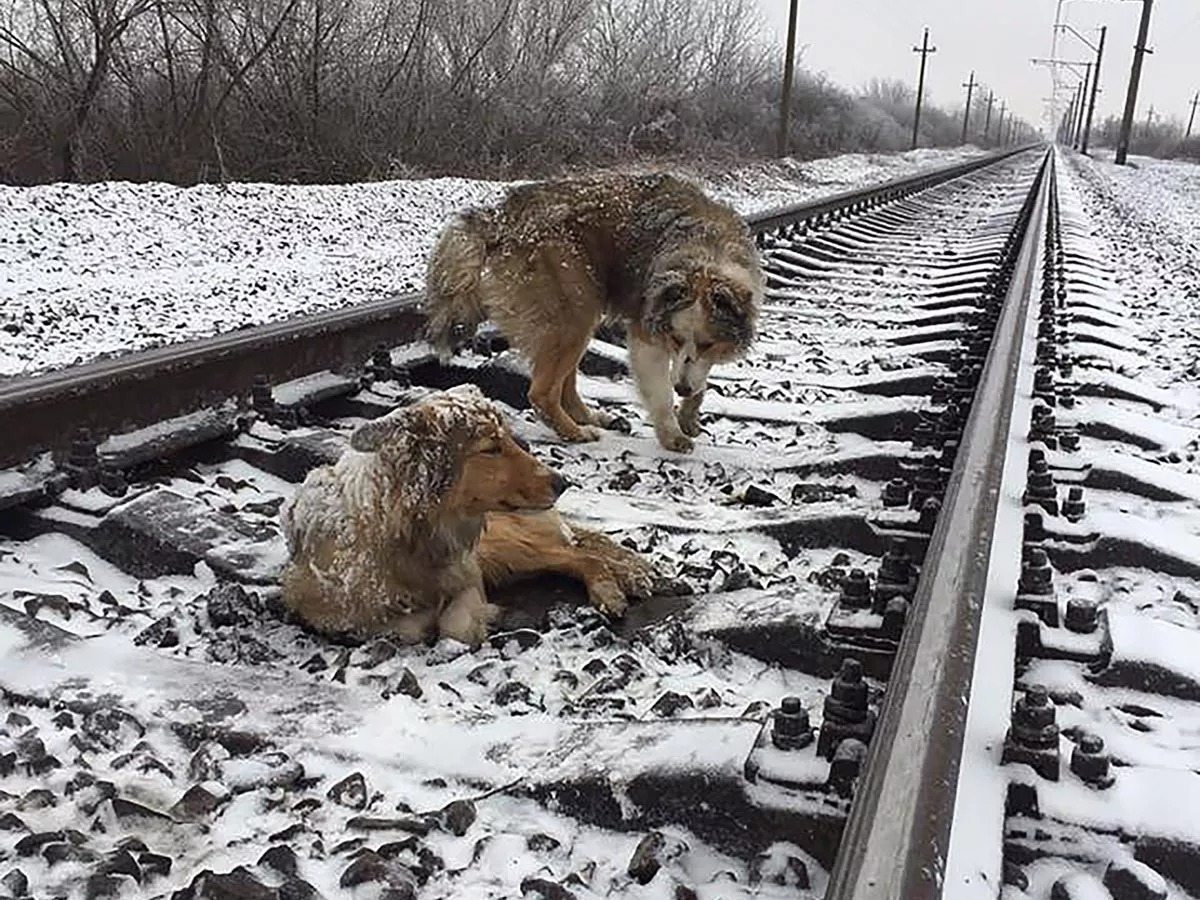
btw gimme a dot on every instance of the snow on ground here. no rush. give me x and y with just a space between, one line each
96 270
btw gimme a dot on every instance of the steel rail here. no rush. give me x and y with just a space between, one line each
897 836
42 412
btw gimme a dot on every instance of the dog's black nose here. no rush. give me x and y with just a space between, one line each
559 484
683 389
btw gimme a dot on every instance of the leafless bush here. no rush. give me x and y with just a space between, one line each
336 90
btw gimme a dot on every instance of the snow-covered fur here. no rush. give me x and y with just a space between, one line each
553 259
385 540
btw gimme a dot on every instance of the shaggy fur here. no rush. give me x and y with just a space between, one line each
555 258
431 503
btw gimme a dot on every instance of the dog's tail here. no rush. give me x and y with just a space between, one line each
454 305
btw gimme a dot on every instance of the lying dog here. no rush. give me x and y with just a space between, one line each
554 259
431 503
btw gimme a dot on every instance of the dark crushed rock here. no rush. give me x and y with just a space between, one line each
32 843
405 684
239 884
199 800
203 764
101 885
154 863
281 858
514 692
411 824
63 851
546 890
228 605
671 703
350 792
120 862
654 850
542 843
16 883
38 798
457 816
161 633
371 868
110 727
756 496
129 809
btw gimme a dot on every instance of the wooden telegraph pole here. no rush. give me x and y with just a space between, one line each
924 50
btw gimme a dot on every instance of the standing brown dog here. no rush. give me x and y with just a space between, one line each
679 269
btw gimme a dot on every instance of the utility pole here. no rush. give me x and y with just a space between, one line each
970 86
1000 120
1087 128
1135 75
1087 74
924 50
1149 119
785 102
987 122
1192 117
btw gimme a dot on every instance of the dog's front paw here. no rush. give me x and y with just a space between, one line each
584 434
608 597
674 439
689 424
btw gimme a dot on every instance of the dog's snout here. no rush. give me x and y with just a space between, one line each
683 389
558 484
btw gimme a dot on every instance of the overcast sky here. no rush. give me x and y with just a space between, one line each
855 40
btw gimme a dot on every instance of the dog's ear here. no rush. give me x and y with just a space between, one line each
732 315
369 437
666 294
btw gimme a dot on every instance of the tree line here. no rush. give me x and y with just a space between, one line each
344 90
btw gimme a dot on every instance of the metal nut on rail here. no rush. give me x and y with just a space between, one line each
1090 763
1073 507
83 463
846 766
856 590
846 713
1083 615
895 493
896 576
790 726
261 397
1033 736
1040 489
894 617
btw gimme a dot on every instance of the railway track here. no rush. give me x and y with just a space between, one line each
898 653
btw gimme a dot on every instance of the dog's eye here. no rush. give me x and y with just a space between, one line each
491 450
704 346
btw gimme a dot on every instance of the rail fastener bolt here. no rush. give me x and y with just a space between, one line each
1040 489
846 766
1090 763
895 493
1068 440
790 727
380 365
261 397
856 590
896 577
83 463
112 481
1073 507
846 713
1035 589
894 617
1083 615
1033 735
927 519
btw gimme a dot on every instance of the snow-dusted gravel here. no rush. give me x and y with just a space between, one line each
96 270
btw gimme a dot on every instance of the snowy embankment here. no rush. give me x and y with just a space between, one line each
102 269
